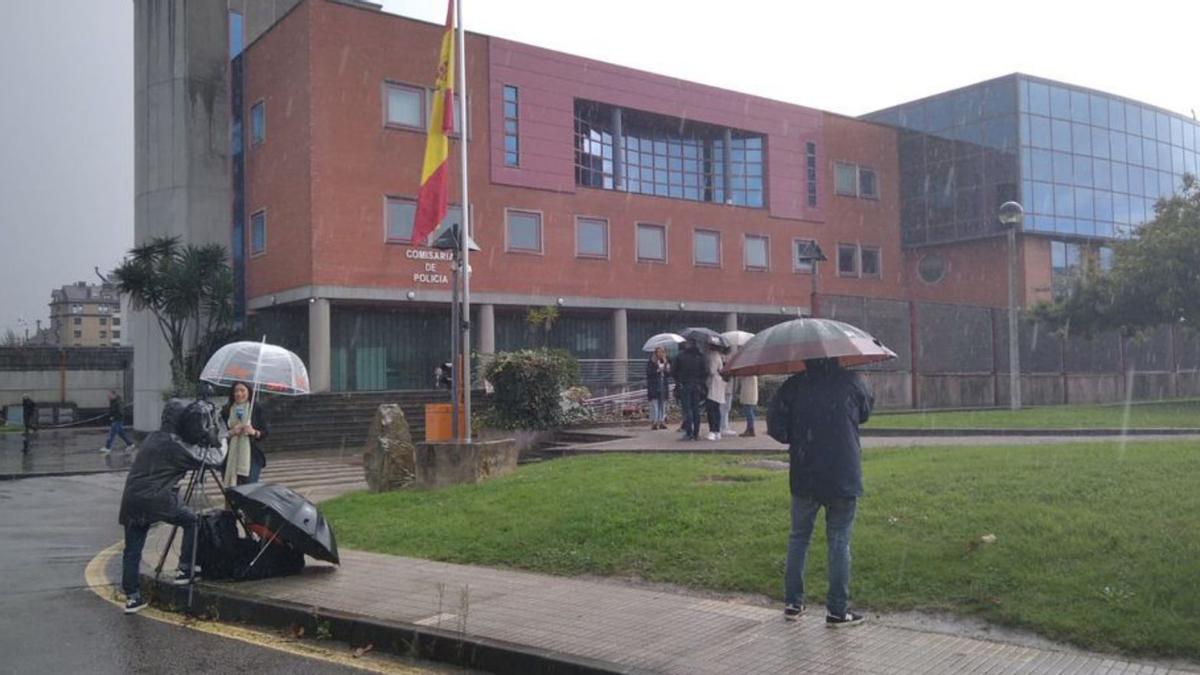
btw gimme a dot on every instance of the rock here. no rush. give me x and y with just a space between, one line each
450 463
389 456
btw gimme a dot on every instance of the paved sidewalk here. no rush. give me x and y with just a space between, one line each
60 452
627 629
637 438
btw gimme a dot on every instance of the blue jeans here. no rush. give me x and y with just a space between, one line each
135 543
117 429
658 410
839 522
748 412
691 399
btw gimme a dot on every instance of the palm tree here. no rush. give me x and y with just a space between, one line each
189 291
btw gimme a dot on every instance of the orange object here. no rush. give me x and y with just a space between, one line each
438 421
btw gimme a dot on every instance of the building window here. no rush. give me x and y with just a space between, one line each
77 309
932 268
78 333
405 106
401 212
258 123
847 260
869 262
706 248
103 309
591 237
258 233
845 179
512 143
237 34
103 321
78 321
801 252
116 334
651 243
524 231
757 252
116 321
1066 265
103 334
868 185
810 166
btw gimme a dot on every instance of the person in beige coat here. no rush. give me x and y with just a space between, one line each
747 393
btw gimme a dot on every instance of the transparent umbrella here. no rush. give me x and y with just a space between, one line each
783 348
737 338
664 340
261 365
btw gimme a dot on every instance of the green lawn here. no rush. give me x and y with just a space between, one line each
1096 544
1141 416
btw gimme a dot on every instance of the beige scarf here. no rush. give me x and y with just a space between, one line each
237 462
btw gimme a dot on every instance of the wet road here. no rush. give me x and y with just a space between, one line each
51 622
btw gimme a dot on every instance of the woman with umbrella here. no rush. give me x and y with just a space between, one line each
246 426
658 372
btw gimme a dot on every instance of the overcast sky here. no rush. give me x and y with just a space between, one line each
66 84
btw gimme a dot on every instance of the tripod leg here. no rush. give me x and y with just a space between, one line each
162 559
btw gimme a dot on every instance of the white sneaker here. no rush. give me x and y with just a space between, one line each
131 447
105 451
713 437
729 432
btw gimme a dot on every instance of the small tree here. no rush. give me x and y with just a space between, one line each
1155 278
189 291
543 318
528 387
11 339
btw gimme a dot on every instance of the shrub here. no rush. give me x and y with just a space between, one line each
528 386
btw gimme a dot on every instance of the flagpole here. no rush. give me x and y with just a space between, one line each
464 228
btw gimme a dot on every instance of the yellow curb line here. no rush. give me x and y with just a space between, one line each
99 584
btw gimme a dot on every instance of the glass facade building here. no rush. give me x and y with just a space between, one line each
1083 163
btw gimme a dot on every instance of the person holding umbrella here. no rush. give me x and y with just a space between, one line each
658 373
690 374
246 426
714 364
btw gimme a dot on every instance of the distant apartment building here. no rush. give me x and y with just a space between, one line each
85 315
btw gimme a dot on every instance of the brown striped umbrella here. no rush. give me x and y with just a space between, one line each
783 348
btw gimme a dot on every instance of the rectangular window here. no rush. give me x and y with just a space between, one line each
78 321
405 106
78 333
237 34
258 233
847 260
651 243
116 321
802 255
868 184
524 231
258 122
103 334
512 142
810 167
845 179
757 252
103 321
869 259
77 309
116 334
591 237
400 215
706 248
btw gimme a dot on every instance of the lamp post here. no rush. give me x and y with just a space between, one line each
1010 216
812 254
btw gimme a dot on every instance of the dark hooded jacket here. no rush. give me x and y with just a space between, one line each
817 413
689 369
162 460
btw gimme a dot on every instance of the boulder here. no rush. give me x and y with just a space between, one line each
389 456
445 463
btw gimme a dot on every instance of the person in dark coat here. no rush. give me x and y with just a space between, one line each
116 423
29 413
690 375
244 432
658 375
187 440
817 413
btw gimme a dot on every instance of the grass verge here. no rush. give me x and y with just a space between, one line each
1140 416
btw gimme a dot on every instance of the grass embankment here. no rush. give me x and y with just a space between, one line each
1140 416
1094 544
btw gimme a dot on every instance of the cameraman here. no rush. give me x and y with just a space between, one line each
187 440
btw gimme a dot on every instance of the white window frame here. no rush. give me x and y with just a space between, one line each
696 232
837 190
250 244
260 138
796 267
508 248
838 261
423 106
387 210
746 252
607 239
637 248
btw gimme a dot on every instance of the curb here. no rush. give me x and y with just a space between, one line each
58 474
892 432
435 644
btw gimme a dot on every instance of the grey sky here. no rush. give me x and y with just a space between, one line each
66 67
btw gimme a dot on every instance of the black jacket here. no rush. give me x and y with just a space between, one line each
162 460
656 380
689 368
258 420
116 411
817 413
28 408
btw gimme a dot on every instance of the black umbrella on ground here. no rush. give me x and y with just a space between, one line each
707 337
289 516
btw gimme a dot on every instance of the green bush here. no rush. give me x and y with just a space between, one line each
528 388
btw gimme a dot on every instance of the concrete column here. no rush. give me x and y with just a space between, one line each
486 330
620 343
730 321
318 345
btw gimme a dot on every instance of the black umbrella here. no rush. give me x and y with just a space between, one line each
291 517
707 337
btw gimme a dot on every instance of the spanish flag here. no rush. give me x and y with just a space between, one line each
431 198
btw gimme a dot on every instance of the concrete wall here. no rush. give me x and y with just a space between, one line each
80 376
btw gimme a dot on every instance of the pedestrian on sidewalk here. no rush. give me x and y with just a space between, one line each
714 364
690 375
29 414
817 413
247 429
116 423
187 440
658 374
747 392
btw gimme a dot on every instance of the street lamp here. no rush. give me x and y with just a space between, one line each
1010 216
812 254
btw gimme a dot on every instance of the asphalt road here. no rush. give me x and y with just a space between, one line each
51 622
